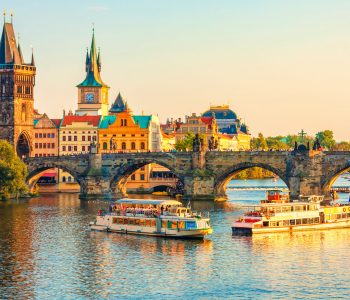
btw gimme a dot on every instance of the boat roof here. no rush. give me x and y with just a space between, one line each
279 204
148 201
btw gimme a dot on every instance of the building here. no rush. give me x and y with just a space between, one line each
45 137
17 80
92 92
168 142
76 133
230 125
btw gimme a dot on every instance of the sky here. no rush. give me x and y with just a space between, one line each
282 66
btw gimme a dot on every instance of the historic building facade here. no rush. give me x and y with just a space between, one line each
45 136
17 80
92 92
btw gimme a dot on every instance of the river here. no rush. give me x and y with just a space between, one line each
47 251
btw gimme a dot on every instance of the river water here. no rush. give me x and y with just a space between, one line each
47 251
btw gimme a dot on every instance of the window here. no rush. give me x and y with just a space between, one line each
133 146
133 177
36 155
69 138
75 138
44 145
89 138
49 135
69 179
27 90
142 177
36 135
83 138
123 146
36 145
133 135
40 135
69 148
142 146
40 145
19 89
44 135
63 148
82 148
104 146
75 148
52 145
48 145
64 179
52 135
64 138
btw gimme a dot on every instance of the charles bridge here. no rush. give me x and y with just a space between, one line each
204 174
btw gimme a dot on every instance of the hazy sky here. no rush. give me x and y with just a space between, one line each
281 65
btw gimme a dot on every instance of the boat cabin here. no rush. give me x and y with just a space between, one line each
276 196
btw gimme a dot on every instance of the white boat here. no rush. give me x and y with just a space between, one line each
284 216
165 218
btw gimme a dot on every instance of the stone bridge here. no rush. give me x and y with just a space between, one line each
204 174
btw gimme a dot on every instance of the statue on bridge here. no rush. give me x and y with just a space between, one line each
197 144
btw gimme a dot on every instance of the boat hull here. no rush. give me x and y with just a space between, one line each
298 228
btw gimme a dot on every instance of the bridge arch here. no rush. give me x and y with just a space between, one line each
224 177
36 171
118 180
332 176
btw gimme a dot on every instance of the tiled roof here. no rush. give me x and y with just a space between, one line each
207 120
142 121
106 121
57 122
93 120
118 105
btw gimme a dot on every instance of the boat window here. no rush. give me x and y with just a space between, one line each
297 208
147 222
272 224
181 224
126 221
142 222
317 220
164 223
137 221
298 221
153 223
338 216
305 221
131 221
285 208
191 225
266 223
343 216
286 223
348 215
292 222
115 220
120 221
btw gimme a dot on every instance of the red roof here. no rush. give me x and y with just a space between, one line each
93 120
57 122
207 120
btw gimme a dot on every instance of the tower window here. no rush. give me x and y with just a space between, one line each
27 90
19 89
133 146
104 146
123 146
142 146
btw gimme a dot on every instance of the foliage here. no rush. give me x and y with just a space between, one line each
254 173
342 146
259 143
13 172
186 144
326 139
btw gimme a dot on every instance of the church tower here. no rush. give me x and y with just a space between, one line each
92 92
17 80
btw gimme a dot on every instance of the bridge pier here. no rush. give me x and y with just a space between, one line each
92 187
199 188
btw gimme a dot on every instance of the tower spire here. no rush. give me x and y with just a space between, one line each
4 13
32 62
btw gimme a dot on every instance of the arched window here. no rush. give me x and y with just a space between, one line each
125 123
104 146
123 146
133 147
64 179
142 145
69 179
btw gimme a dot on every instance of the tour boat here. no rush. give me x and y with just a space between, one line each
284 216
165 218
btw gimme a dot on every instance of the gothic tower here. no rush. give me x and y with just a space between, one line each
92 92
17 80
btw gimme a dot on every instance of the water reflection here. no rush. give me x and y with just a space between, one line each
47 251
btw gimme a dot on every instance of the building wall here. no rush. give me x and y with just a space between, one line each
45 138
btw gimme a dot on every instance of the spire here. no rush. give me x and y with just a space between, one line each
93 67
32 62
20 53
119 105
9 53
99 60
87 60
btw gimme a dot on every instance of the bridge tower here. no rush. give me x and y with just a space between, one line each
17 80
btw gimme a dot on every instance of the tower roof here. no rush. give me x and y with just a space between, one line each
9 52
93 77
119 105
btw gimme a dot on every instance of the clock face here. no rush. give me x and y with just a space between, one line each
89 97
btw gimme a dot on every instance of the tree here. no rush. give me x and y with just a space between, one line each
342 146
13 172
259 143
185 144
326 139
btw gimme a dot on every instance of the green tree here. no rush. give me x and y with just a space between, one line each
326 139
185 144
342 146
13 172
